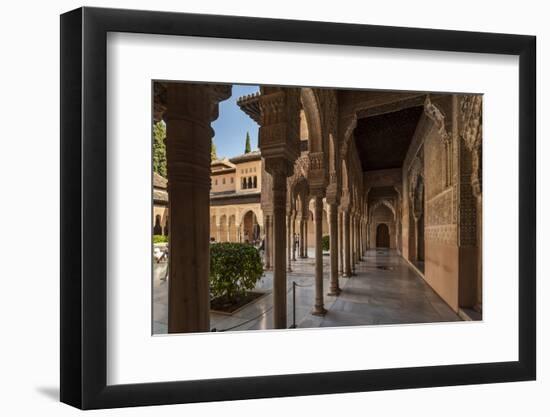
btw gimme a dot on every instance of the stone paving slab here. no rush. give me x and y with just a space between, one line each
393 294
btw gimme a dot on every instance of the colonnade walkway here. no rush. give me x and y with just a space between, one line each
385 290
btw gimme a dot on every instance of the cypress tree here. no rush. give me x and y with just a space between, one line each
213 153
159 148
247 145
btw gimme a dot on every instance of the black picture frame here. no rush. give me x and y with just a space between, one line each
84 207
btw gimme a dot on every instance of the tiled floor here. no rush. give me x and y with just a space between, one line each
385 290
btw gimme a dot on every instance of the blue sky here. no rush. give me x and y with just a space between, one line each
232 124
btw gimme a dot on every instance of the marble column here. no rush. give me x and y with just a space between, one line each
347 243
305 236
360 238
366 238
189 113
280 145
271 242
319 309
289 242
363 239
369 237
279 246
340 244
352 244
302 240
293 237
334 249
267 242
356 238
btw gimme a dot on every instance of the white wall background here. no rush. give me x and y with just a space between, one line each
29 172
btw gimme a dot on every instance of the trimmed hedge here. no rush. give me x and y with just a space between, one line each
160 239
325 243
235 268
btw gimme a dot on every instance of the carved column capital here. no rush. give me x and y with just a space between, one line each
189 111
435 114
278 167
194 102
280 123
317 173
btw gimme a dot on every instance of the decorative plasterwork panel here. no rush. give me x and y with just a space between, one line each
439 210
386 203
442 234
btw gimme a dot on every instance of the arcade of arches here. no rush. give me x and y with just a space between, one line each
376 171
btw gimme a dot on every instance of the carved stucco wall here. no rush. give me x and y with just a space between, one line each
435 145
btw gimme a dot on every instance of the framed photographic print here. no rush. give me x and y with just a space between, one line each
257 208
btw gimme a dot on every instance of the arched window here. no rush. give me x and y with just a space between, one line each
255 181
249 182
243 183
166 227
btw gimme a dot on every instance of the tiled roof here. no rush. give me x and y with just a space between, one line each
159 181
250 156
160 196
225 162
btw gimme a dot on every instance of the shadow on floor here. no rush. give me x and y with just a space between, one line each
49 392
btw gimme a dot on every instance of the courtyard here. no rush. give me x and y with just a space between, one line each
365 206
384 290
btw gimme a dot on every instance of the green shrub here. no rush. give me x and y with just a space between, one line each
234 269
325 243
160 239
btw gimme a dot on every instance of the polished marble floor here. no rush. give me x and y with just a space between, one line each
385 290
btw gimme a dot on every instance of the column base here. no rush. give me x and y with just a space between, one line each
319 311
289 269
334 292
